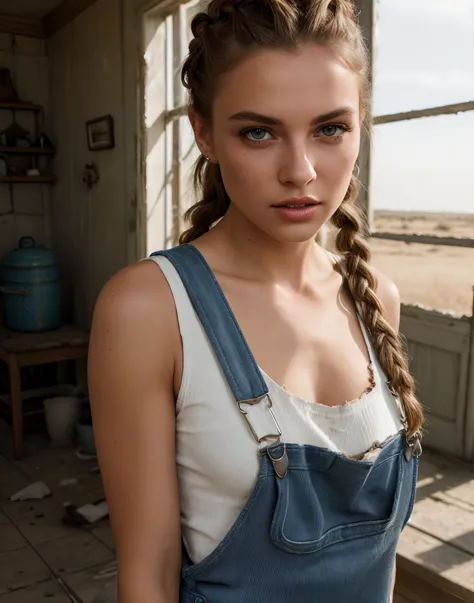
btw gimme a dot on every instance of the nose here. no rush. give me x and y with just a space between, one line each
297 167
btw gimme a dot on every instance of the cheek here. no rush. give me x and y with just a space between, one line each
243 170
336 164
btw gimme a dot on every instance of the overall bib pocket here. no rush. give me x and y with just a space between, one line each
314 506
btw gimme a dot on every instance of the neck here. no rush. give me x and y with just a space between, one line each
261 257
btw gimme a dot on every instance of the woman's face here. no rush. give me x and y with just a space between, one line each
286 134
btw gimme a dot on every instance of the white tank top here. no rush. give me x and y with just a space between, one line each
217 456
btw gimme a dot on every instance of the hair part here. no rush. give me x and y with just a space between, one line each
224 34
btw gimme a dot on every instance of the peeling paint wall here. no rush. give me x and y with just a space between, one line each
25 208
96 67
89 226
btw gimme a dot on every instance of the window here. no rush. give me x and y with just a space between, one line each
169 142
421 177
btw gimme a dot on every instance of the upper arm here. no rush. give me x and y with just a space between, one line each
389 295
130 371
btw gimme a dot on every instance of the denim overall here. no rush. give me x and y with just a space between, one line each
318 526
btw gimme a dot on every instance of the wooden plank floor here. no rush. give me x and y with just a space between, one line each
435 562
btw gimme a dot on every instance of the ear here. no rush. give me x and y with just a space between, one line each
202 135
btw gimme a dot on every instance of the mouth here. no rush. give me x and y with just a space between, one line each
297 210
297 203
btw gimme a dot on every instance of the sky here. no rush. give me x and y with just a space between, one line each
424 58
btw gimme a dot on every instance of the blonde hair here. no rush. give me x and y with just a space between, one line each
223 35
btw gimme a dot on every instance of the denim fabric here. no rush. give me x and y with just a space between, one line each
327 531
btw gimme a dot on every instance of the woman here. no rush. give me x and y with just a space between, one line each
251 399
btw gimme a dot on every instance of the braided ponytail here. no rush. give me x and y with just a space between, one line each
362 285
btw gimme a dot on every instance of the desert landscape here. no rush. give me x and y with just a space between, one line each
434 276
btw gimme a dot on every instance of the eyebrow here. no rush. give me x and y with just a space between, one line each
273 121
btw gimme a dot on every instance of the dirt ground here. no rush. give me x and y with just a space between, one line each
431 275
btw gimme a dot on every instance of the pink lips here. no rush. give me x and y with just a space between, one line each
297 210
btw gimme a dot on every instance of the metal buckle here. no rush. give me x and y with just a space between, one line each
280 464
275 432
413 447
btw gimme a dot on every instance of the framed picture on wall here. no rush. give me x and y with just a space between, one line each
100 133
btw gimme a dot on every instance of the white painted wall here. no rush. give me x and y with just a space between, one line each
90 228
25 208
96 67
439 347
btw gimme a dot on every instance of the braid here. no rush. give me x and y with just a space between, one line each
333 17
362 285
213 205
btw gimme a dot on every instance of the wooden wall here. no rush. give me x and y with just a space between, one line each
440 346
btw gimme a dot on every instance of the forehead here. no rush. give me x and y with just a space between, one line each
291 84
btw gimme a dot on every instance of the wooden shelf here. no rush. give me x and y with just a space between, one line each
23 179
27 150
21 107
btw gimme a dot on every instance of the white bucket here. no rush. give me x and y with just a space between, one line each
61 415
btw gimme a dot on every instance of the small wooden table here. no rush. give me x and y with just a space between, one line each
18 350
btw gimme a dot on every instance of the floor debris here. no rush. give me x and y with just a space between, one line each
35 491
86 515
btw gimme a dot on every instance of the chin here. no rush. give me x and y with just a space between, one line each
297 233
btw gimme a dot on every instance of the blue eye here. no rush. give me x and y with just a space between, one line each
257 135
332 131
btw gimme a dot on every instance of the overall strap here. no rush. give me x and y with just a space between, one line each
239 366
233 353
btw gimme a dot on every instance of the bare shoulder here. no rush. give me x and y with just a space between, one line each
389 295
135 325
137 293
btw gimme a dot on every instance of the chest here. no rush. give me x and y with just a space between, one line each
311 345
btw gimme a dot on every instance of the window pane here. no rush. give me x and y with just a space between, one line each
424 165
424 56
434 276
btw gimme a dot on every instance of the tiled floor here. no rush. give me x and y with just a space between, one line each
40 558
